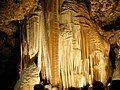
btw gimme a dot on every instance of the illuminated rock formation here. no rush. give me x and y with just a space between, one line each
82 52
28 78
69 42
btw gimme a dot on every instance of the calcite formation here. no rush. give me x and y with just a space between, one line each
80 41
28 78
65 40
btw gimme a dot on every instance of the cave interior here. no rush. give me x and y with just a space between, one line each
59 43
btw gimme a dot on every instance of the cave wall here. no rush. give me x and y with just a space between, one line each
9 58
101 21
10 14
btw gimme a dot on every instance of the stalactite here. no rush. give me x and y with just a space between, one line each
34 44
70 50
53 29
31 36
29 50
43 55
24 46
80 47
29 39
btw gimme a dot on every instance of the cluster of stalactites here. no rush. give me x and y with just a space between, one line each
82 52
34 43
70 51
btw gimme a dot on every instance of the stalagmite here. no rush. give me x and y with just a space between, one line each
28 78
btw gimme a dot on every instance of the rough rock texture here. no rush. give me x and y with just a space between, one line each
29 77
10 12
104 11
116 73
13 11
105 14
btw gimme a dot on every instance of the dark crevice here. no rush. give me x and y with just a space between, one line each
17 1
9 57
113 25
2 2
112 55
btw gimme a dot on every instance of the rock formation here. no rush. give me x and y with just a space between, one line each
69 42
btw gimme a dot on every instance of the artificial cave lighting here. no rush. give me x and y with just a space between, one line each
59 44
68 48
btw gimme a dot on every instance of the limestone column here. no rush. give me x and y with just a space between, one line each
53 34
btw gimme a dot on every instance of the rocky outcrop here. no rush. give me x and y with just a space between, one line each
13 11
104 11
10 12
65 37
29 77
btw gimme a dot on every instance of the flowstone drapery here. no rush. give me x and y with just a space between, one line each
30 39
65 42
53 37
83 54
33 49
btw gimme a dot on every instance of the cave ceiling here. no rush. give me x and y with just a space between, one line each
12 10
106 13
